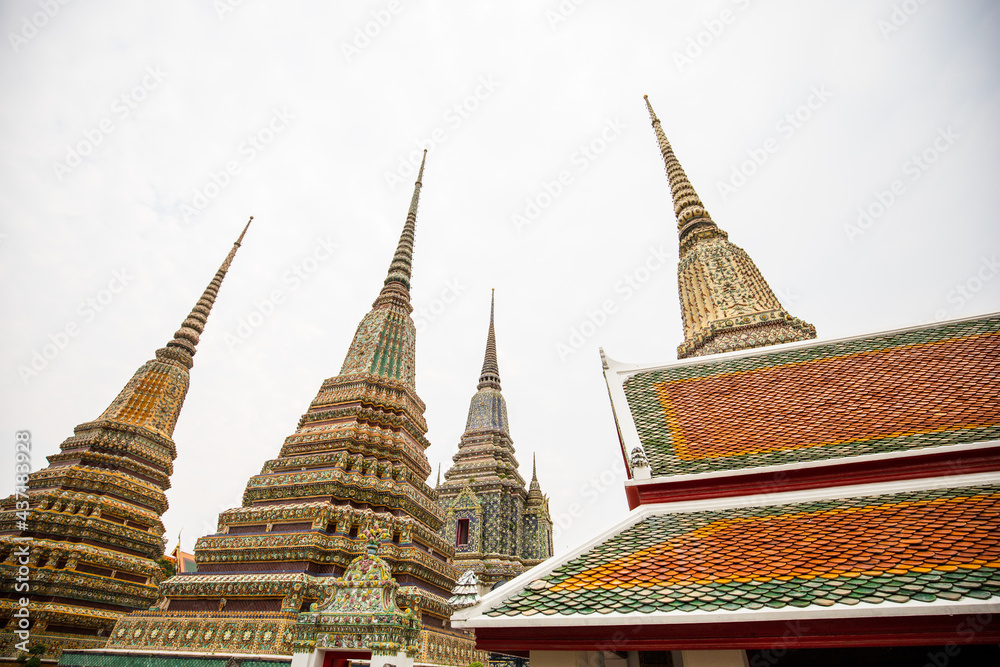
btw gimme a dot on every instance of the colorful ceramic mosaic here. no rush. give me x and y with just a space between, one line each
360 611
353 473
94 530
889 392
917 546
726 304
232 632
499 528
385 341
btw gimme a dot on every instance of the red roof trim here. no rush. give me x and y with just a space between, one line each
799 633
831 473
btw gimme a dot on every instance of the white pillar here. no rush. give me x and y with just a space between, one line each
314 659
398 660
737 658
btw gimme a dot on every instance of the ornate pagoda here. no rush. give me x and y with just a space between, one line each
353 472
726 304
93 531
499 529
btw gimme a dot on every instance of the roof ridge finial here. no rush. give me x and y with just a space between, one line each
185 340
688 207
534 466
396 288
490 375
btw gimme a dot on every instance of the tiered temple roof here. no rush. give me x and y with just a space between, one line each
353 473
94 531
859 509
845 491
499 528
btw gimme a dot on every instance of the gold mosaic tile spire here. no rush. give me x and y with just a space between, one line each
688 208
385 341
153 397
182 347
726 304
95 530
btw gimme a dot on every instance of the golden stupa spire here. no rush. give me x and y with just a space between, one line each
153 397
688 208
726 304
182 347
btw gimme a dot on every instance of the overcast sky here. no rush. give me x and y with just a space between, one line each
851 148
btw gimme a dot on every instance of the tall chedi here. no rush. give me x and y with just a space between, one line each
726 304
352 477
93 531
499 529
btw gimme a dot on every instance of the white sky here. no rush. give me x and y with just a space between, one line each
340 121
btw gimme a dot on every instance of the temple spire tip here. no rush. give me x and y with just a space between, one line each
420 174
185 341
396 287
649 107
490 375
688 207
239 241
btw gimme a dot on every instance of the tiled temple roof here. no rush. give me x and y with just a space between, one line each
887 392
929 546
